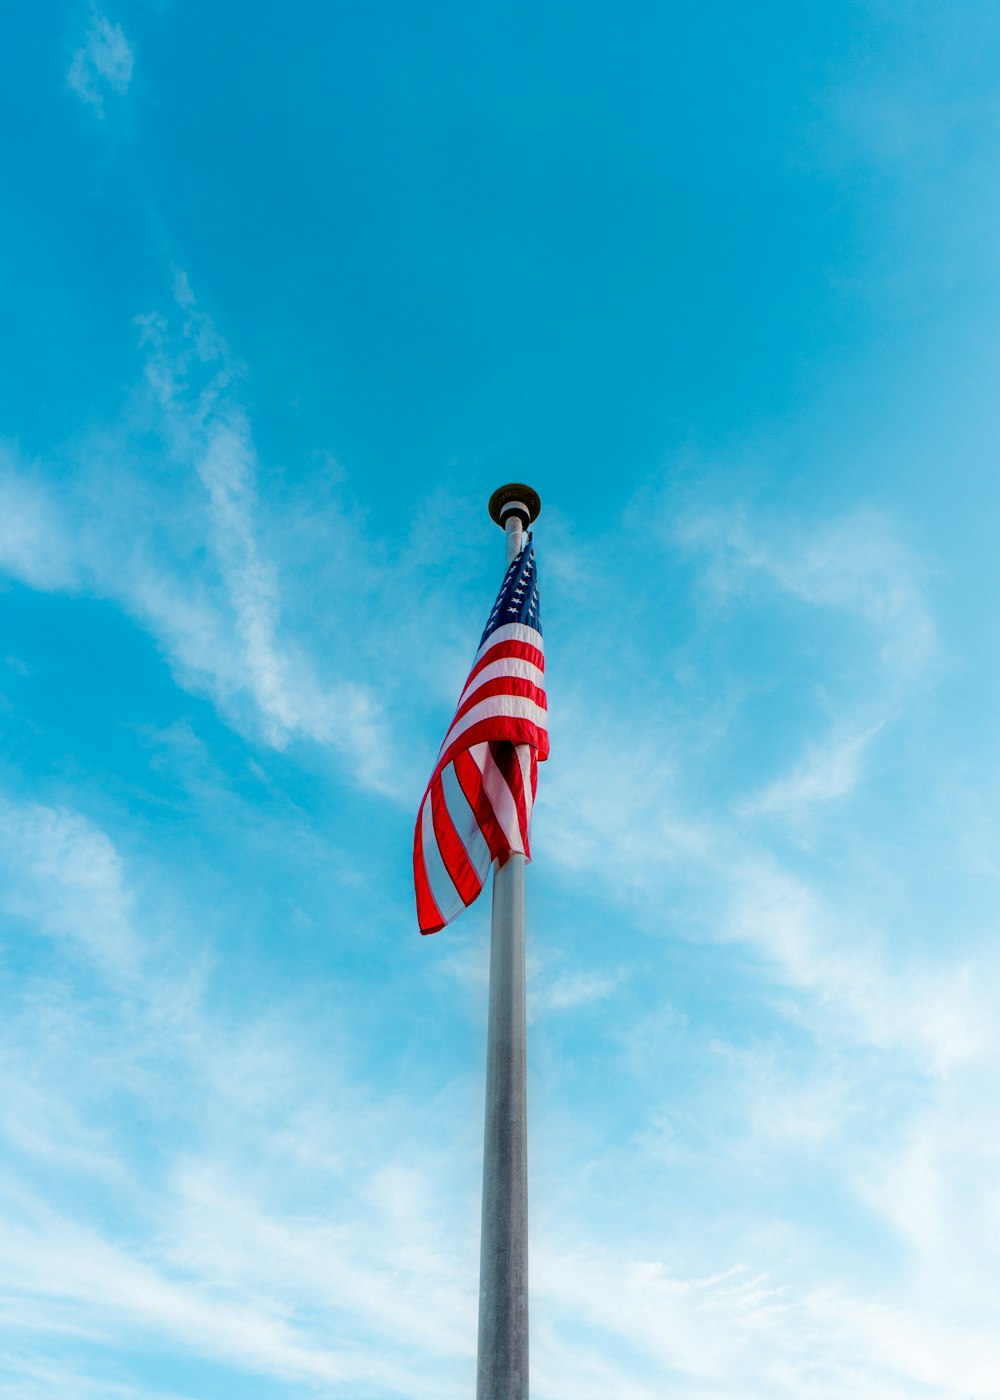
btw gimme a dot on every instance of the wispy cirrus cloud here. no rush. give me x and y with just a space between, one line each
855 564
289 1222
829 769
103 64
177 1233
64 878
175 541
240 1133
863 984
749 1334
225 1262
625 802
33 546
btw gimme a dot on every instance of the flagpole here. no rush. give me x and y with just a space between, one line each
503 1261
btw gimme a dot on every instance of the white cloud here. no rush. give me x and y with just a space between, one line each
742 1335
609 799
31 1377
937 1012
33 547
936 1188
295 1225
622 801
828 770
64 877
568 991
284 1218
854 564
255 1232
102 64
227 470
178 546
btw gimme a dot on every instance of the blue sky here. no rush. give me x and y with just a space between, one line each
288 291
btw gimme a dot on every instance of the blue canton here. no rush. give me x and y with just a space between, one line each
517 600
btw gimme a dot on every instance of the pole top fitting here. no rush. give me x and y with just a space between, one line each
515 499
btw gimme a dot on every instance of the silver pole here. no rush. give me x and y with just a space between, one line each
514 536
503 1263
503 1260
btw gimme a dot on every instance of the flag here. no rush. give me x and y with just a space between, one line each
477 806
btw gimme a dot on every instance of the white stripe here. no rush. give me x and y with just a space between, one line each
446 897
501 798
506 666
511 632
464 820
511 706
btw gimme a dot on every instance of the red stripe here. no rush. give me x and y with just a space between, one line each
471 780
453 852
500 711
533 769
523 651
428 914
507 666
503 685
511 727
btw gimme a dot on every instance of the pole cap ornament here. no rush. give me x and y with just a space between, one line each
515 499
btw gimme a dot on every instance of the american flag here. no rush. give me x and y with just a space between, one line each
477 807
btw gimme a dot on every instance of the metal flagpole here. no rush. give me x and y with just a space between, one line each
503 1260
